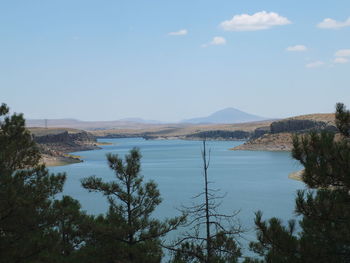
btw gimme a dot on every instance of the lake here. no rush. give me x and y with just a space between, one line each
250 180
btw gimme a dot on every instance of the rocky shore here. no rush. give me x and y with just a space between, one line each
278 136
268 142
56 144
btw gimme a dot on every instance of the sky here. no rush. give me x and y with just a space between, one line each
172 60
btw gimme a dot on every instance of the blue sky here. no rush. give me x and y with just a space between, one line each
170 60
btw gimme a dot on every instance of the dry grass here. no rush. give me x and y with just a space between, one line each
329 118
177 130
38 131
268 142
283 141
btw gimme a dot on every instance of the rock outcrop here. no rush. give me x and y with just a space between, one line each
56 144
268 142
68 142
278 136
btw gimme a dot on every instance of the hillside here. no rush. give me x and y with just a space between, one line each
278 137
190 132
268 142
55 144
225 116
87 125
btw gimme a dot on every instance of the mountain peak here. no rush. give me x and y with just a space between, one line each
227 115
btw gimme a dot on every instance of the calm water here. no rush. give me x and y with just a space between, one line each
252 180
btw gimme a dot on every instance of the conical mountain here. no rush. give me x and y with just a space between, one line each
228 115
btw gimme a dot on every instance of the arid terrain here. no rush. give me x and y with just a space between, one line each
279 138
56 143
179 131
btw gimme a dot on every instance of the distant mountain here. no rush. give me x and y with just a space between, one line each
140 120
228 115
78 124
52 122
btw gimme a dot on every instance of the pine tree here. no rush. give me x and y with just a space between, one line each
324 234
18 150
26 193
128 230
71 227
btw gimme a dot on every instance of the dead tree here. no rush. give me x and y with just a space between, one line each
211 236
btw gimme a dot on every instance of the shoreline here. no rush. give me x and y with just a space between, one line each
279 142
297 176
160 138
54 163
68 158
260 149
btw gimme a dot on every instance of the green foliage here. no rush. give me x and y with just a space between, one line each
224 248
18 150
325 225
325 159
36 227
276 242
26 192
128 229
70 224
342 118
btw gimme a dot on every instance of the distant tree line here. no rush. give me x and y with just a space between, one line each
221 134
37 226
300 126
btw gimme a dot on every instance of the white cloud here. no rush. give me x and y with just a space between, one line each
341 56
330 23
297 48
315 64
181 32
258 21
217 41
343 53
340 60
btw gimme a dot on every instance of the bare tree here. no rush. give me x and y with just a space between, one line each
211 235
